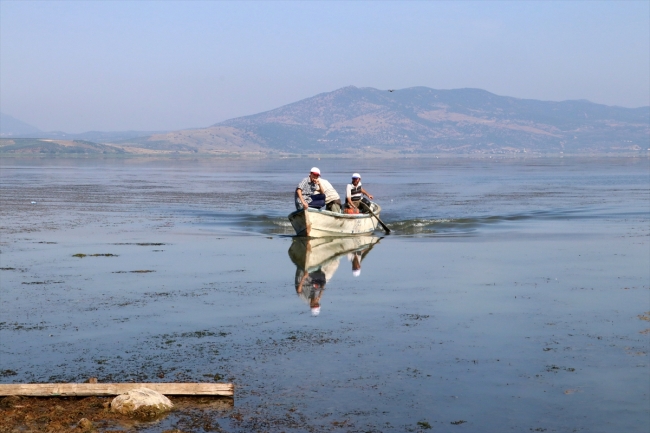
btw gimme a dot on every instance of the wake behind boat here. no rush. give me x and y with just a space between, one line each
321 223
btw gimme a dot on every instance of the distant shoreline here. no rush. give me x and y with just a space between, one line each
190 156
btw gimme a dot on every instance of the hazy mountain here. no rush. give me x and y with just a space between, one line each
12 127
102 136
421 120
42 146
378 122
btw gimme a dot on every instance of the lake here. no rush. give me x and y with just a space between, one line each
512 295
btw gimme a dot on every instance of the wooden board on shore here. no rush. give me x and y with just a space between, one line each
99 389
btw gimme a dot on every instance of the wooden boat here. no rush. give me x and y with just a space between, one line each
309 254
319 223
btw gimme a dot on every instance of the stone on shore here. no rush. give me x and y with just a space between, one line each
85 425
141 403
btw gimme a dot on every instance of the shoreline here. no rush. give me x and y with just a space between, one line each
273 156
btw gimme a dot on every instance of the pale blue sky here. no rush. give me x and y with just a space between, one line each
79 66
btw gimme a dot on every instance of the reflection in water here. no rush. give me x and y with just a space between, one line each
318 259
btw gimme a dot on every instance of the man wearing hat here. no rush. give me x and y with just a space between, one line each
332 198
354 193
309 192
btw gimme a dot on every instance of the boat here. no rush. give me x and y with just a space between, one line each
309 254
321 223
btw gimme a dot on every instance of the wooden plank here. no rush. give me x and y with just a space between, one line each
88 389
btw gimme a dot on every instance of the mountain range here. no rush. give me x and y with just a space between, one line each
10 127
417 120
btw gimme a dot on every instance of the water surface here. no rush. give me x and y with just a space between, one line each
513 294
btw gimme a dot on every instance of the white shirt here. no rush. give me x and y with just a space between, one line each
329 191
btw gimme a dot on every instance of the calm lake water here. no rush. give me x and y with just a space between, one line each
512 295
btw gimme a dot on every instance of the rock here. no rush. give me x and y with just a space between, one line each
9 401
85 424
141 403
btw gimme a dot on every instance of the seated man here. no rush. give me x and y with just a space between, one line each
308 193
332 199
354 194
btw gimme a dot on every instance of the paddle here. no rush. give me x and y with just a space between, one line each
381 223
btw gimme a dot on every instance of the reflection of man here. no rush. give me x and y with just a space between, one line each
356 264
356 257
310 285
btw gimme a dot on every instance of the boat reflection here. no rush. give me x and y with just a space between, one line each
317 259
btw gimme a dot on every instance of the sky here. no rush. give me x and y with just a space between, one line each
78 66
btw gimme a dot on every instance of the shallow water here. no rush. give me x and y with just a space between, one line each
512 295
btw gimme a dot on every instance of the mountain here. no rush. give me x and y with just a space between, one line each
12 127
49 147
419 120
373 122
100 136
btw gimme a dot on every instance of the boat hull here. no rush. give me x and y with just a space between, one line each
323 223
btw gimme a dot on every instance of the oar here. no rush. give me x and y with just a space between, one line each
381 223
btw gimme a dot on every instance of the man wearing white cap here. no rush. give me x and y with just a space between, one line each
354 193
309 192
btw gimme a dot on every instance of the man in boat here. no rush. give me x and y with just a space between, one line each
354 194
332 198
308 192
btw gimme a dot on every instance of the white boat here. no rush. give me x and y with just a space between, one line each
317 223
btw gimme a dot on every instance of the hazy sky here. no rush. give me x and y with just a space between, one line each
80 66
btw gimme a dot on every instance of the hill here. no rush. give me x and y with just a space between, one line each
352 120
12 127
419 120
36 146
